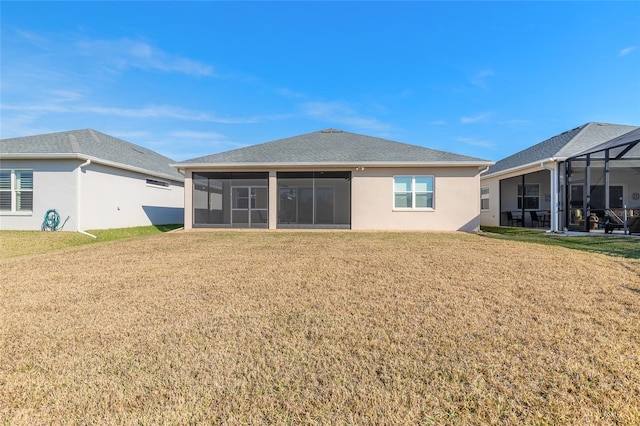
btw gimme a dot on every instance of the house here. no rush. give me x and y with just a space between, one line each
93 180
333 179
575 180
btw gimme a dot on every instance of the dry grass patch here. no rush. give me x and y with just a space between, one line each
320 327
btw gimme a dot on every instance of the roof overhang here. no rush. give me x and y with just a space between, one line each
82 157
349 164
533 164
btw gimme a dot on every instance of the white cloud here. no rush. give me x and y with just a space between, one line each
190 134
479 79
149 111
65 95
288 93
340 113
476 142
476 119
126 53
627 50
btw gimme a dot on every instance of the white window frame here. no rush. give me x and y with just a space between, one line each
485 196
413 193
521 197
14 192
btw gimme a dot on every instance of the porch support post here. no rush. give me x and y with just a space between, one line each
606 181
273 200
188 199
522 209
567 191
553 179
587 197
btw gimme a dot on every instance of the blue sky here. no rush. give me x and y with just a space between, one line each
187 79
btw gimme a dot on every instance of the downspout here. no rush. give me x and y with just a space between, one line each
79 197
554 194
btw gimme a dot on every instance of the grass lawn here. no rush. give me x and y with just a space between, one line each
20 243
595 243
319 327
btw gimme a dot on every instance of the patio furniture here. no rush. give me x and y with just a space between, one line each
511 219
535 220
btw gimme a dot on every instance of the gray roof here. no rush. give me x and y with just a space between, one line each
562 146
90 144
332 147
630 139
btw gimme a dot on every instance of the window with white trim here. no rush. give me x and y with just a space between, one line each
484 198
530 199
16 191
413 192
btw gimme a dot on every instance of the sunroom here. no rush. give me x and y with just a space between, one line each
305 199
603 186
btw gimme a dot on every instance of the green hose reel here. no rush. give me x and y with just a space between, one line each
52 221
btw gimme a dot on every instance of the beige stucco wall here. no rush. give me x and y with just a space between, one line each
491 216
456 203
456 200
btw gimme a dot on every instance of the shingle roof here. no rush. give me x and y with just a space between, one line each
630 138
331 146
90 144
562 146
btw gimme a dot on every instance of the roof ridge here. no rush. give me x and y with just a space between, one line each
75 146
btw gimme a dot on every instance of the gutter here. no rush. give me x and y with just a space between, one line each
79 197
524 166
335 164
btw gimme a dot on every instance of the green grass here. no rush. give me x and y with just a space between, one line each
605 244
23 243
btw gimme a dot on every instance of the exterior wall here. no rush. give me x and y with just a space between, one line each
456 203
54 187
456 200
507 200
115 198
491 216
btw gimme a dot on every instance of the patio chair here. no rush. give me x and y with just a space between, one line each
535 220
512 219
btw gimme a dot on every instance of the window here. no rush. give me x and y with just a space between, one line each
157 183
16 190
413 192
484 198
531 197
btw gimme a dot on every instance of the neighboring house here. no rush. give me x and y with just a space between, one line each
333 179
95 180
548 185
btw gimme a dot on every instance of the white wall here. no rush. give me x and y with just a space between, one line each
115 198
54 187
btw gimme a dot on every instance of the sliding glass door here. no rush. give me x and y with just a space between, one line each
314 199
239 200
249 205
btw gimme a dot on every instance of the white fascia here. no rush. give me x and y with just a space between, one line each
184 166
94 160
